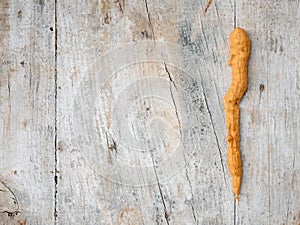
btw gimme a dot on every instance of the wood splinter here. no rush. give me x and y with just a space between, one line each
239 55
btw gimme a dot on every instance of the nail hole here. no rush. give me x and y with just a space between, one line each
19 14
261 88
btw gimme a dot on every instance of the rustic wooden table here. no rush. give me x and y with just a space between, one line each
111 112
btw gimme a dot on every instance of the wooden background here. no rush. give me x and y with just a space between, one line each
111 112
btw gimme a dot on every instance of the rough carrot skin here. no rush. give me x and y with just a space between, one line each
239 55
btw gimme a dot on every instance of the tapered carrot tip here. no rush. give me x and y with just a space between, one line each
236 184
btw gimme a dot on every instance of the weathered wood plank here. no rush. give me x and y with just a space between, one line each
133 113
140 121
27 110
270 114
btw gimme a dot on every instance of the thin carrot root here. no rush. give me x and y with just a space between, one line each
239 55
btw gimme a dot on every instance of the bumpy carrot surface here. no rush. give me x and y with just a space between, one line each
239 55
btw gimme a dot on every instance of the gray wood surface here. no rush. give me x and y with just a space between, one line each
111 112
27 110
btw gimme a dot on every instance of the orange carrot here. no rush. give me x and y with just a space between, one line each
239 55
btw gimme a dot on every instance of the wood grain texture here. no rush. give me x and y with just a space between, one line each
271 113
151 112
122 101
27 109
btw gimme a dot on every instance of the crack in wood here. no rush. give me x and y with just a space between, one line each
111 146
194 214
55 118
190 184
215 134
8 86
166 214
234 15
204 36
149 20
180 130
176 111
169 75
207 5
234 212
173 99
